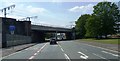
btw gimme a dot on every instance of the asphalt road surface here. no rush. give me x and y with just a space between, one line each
67 50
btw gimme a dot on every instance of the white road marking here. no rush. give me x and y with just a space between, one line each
11 54
38 51
31 57
41 48
35 54
102 48
59 46
26 49
83 55
62 49
98 56
16 52
110 53
66 56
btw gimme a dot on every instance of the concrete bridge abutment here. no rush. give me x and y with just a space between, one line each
38 36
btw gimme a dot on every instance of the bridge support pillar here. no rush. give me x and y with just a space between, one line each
69 36
38 36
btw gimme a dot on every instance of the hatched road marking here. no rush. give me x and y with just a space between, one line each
110 53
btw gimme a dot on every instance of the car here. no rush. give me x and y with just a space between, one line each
53 41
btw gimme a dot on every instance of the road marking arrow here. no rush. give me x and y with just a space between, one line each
83 55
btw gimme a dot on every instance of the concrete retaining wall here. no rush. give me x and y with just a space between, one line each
22 32
0 33
17 40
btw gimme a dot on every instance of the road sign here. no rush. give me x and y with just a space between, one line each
12 29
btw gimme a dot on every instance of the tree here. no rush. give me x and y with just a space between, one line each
93 27
108 14
80 23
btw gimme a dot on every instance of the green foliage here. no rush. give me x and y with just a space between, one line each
101 22
80 29
93 26
108 14
105 41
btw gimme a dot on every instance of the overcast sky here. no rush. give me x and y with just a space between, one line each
50 12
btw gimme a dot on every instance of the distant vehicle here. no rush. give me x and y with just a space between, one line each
53 41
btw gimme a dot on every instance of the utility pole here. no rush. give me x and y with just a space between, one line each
4 10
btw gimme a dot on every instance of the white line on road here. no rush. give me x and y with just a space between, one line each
38 51
59 46
62 49
35 54
31 57
83 55
41 48
26 49
102 48
110 53
11 54
16 52
98 56
66 56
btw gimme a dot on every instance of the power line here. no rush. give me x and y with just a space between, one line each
4 10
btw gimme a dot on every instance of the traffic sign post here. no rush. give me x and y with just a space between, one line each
12 29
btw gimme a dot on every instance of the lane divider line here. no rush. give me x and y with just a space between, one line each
26 49
99 56
17 52
41 48
62 49
35 54
102 48
66 56
31 57
83 55
38 51
110 53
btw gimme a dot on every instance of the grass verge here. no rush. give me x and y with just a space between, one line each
106 41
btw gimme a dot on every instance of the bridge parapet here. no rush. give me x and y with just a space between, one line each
48 28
